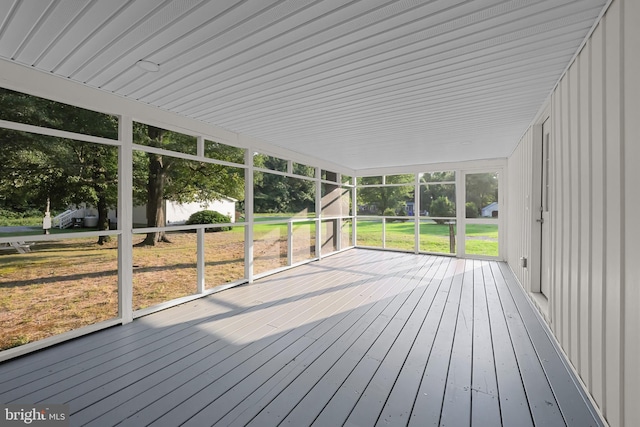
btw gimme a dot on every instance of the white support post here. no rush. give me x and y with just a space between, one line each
461 222
503 214
354 204
318 214
201 263
416 213
125 220
339 221
200 146
384 232
248 215
289 243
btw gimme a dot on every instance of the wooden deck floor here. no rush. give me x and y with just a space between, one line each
361 338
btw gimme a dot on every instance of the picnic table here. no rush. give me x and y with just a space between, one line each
21 247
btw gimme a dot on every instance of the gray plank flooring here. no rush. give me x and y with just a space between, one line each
362 338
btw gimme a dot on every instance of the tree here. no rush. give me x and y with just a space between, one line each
442 207
95 180
39 168
382 198
158 177
431 189
275 193
481 188
471 210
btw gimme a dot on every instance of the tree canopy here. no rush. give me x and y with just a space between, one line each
481 190
378 199
274 193
38 168
160 177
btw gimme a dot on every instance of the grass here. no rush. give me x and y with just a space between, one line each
58 287
66 284
9 219
482 239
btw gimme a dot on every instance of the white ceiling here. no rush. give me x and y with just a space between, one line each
363 83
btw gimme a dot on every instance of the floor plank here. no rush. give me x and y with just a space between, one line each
485 408
456 407
514 408
542 402
400 402
427 404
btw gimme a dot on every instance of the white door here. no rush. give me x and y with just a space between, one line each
545 252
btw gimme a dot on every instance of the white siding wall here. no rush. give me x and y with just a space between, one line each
595 135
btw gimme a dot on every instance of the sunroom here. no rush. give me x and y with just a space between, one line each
320 212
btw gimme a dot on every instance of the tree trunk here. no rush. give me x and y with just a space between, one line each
99 180
103 219
155 189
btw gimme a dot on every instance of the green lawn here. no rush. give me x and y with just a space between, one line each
482 239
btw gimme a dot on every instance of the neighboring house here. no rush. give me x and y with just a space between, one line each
369 209
179 213
490 211
410 206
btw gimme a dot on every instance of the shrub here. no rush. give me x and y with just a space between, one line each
209 217
471 210
389 212
442 206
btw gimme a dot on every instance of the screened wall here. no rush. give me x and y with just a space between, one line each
453 211
105 217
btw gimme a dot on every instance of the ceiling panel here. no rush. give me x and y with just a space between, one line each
362 83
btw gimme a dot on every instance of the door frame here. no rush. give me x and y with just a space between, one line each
535 227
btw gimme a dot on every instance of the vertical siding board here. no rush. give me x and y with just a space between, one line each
524 223
528 190
598 218
631 70
565 264
556 222
512 165
574 212
613 201
518 212
530 199
584 279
